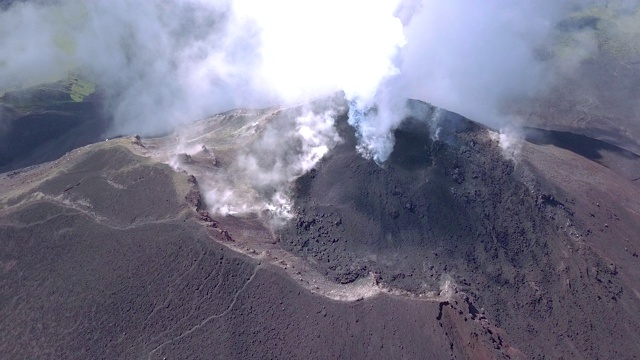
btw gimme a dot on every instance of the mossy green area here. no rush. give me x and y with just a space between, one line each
80 89
73 89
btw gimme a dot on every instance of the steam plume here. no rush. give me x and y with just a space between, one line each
165 63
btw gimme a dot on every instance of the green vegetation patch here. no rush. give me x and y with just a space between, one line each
80 89
73 89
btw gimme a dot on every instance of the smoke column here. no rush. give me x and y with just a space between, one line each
166 63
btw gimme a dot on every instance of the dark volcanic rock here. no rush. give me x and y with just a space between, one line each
452 204
435 199
103 255
106 254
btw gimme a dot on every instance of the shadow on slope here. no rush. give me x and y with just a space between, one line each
42 123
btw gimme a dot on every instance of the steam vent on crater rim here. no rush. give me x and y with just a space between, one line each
245 179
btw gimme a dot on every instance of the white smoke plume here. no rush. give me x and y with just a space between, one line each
162 63
257 180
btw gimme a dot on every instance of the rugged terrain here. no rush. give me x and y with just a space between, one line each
465 244
455 248
523 238
104 256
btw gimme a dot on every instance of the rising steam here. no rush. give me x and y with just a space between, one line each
285 150
163 63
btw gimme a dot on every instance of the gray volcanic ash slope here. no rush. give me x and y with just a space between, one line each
450 249
105 255
519 241
354 226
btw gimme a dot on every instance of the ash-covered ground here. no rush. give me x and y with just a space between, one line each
106 254
454 204
267 234
456 247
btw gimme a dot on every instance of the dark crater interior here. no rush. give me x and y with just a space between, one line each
447 203
446 199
